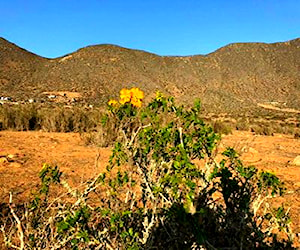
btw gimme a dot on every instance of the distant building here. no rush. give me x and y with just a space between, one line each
5 98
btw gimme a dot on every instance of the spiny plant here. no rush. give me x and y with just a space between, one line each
162 188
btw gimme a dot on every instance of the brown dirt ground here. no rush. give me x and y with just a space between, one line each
23 153
276 154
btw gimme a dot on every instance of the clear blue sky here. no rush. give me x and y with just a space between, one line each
52 28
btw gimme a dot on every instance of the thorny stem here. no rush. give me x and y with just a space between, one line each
256 207
6 241
181 139
147 227
19 225
129 144
145 181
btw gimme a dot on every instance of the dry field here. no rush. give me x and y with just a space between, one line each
23 153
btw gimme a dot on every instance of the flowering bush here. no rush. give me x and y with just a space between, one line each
162 189
133 96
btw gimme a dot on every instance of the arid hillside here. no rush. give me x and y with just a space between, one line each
236 76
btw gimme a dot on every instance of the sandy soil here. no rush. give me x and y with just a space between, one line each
23 153
276 154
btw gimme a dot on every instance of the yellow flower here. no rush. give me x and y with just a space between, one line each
125 96
159 96
137 93
133 95
112 102
136 102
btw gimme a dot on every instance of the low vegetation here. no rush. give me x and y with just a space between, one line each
163 188
59 118
50 118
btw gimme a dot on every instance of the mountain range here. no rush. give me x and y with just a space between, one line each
235 77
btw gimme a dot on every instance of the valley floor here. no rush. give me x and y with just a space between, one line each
23 153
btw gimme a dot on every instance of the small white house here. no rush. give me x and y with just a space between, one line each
51 96
5 98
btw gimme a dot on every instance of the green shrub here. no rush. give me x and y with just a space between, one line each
154 195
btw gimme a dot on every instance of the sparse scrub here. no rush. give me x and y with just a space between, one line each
222 128
297 135
243 125
289 130
153 195
262 130
100 136
19 117
48 118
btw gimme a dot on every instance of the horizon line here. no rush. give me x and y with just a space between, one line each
145 51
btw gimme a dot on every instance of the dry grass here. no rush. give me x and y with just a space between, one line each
48 118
